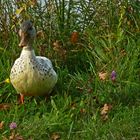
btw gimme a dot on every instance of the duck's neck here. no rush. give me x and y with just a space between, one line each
27 51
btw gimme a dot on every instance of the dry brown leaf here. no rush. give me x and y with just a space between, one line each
102 75
104 111
5 106
14 136
74 37
57 47
40 34
4 138
123 52
73 106
83 110
55 136
1 124
104 117
42 49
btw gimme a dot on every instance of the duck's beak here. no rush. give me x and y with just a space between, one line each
22 42
23 39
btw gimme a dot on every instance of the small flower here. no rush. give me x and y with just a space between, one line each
113 75
13 125
7 80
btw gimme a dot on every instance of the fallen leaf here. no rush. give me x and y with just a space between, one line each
105 110
14 136
4 138
123 52
73 106
40 34
57 47
55 136
1 124
5 106
102 75
42 49
83 110
74 37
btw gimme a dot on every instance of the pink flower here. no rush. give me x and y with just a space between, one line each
113 75
13 125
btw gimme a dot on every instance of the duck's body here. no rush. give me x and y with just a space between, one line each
32 75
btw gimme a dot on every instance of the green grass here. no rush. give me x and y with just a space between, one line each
40 121
73 111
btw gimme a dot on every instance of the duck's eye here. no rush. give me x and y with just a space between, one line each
30 28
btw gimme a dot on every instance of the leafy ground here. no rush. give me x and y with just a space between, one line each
85 47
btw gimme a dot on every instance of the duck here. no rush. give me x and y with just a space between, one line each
31 75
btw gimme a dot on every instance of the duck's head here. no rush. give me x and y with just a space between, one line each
27 34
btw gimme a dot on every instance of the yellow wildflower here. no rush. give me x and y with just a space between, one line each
7 80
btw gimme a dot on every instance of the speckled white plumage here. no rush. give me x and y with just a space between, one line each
32 75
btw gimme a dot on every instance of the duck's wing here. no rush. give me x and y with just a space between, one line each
44 61
46 70
17 68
